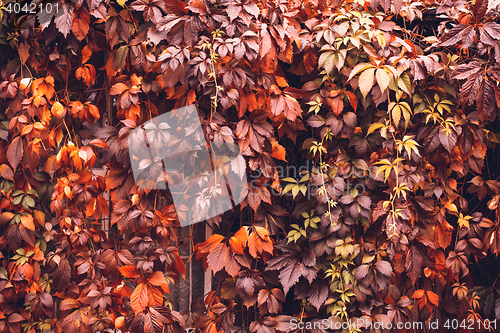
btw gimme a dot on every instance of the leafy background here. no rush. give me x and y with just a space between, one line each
391 105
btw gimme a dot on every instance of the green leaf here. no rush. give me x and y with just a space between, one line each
17 200
29 201
404 83
120 57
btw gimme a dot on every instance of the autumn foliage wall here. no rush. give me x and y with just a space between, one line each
391 105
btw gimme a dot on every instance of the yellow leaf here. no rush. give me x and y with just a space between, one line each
396 115
450 206
463 221
366 81
373 127
358 68
121 2
383 79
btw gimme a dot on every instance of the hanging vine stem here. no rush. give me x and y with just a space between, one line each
213 72
331 203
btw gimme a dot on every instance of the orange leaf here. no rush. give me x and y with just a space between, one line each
450 206
191 96
209 244
27 222
99 143
433 298
236 245
418 294
242 235
281 81
94 111
58 110
353 100
86 54
156 279
27 271
40 217
120 322
155 296
253 244
139 298
80 24
279 151
263 233
130 271
178 265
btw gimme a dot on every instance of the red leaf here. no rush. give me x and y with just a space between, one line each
15 152
116 27
414 262
64 18
118 88
217 257
232 267
16 318
6 172
115 177
62 275
318 293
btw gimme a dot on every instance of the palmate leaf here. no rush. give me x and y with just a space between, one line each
292 265
249 281
479 89
332 59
